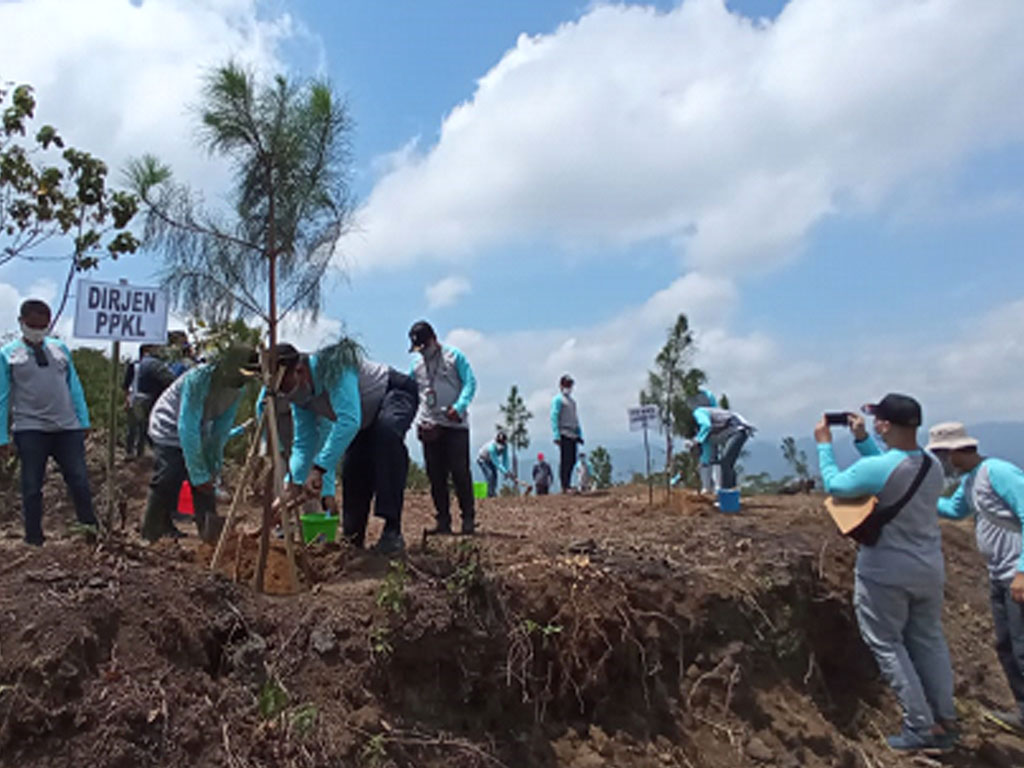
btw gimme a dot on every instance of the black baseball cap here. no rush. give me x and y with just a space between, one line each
902 410
420 333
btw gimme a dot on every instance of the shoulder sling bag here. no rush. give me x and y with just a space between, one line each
862 519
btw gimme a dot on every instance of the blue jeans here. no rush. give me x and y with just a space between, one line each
903 628
490 475
68 449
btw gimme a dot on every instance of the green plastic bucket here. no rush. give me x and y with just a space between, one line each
315 525
479 490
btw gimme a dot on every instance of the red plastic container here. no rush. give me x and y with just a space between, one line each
185 499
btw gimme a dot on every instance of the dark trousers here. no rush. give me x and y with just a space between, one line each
137 418
542 490
376 464
490 473
567 460
169 472
68 449
1008 617
448 456
730 454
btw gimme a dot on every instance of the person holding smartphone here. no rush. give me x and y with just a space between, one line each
899 579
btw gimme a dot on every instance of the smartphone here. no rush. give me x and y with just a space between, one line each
838 419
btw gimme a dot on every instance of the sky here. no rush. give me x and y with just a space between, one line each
831 190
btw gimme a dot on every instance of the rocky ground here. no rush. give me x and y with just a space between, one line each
580 631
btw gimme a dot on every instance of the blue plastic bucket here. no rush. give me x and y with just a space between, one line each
729 501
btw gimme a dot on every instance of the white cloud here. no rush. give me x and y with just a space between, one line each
446 291
119 80
730 137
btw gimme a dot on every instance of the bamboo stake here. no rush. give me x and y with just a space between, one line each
254 448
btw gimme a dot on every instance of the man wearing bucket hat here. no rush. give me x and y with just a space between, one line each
993 491
354 411
899 579
446 386
493 460
189 425
566 430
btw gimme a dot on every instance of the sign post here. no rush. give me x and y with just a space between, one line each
117 312
643 418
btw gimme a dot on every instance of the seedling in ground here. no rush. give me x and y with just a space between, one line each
391 596
273 699
374 754
380 642
544 630
303 720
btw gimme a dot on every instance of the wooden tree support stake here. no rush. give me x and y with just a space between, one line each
254 448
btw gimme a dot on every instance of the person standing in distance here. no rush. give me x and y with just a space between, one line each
446 388
542 476
41 393
566 430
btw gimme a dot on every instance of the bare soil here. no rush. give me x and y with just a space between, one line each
576 631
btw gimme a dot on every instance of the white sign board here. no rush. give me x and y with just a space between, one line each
643 417
120 312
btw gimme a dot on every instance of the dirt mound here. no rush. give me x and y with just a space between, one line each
580 632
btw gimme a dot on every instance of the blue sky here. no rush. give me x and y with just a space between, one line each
832 235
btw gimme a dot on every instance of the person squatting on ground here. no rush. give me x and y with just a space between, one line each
189 426
493 461
446 386
723 433
899 579
144 381
352 410
566 430
993 491
41 394
543 477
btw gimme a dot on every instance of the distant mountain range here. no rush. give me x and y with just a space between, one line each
1002 439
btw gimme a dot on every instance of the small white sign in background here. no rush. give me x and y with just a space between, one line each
643 417
120 312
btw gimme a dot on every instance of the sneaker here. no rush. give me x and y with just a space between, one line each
1008 720
439 530
175 533
389 544
468 527
914 741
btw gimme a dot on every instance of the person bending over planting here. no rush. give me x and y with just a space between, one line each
189 426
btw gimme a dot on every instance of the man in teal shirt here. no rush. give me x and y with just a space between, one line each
993 491
899 579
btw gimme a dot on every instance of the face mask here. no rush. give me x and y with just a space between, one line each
301 394
947 466
33 335
566 391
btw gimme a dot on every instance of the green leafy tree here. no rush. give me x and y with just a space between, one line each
288 143
723 402
93 367
797 459
53 193
516 418
601 466
671 382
